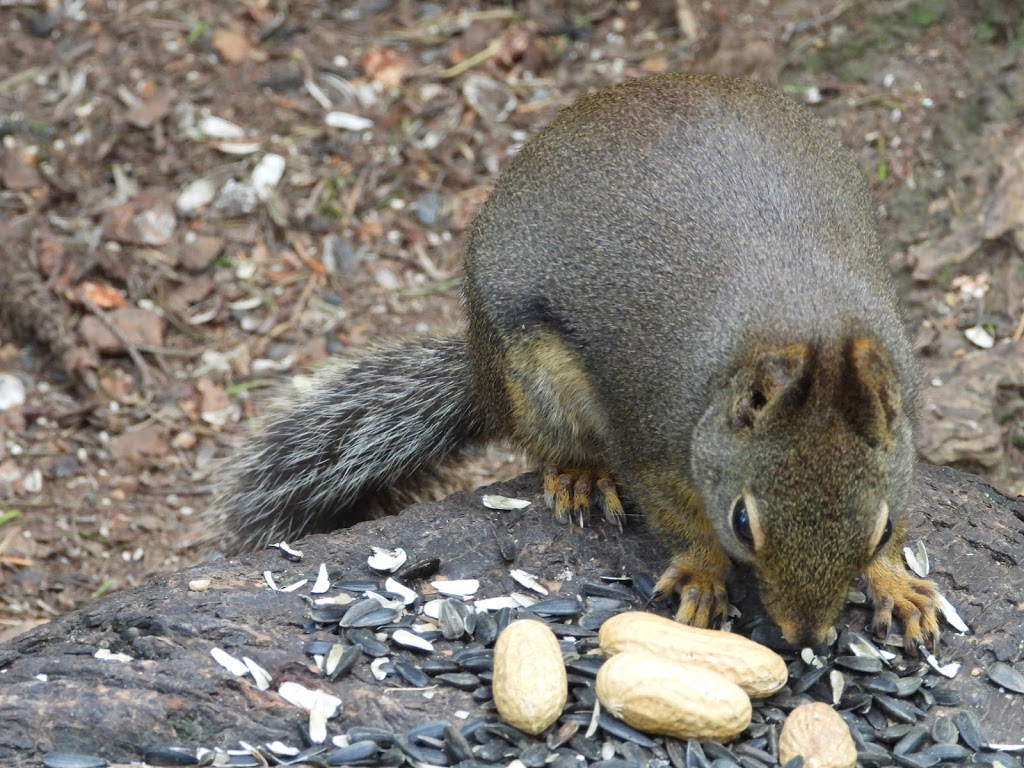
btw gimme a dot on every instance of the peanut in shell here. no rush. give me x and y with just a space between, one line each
756 669
530 685
686 701
818 734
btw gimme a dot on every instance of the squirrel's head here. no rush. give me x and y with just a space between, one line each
803 460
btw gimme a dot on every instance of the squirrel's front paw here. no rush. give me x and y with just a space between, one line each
699 579
570 492
915 602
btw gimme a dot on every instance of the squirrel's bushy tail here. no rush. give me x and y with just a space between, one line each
350 445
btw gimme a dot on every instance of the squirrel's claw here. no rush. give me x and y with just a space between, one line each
915 602
569 494
700 583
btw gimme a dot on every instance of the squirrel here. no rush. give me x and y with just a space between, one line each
675 291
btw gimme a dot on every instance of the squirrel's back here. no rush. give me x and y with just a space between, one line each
663 225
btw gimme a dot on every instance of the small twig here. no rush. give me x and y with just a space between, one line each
133 352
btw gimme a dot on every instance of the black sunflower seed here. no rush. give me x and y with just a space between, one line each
947 753
170 756
1007 677
392 756
970 729
874 756
919 760
475 659
422 754
368 613
451 620
616 727
501 618
379 736
438 665
614 763
456 745
595 618
996 759
794 762
483 693
421 569
879 685
587 666
643 583
535 756
599 589
695 757
507 547
318 647
907 686
557 607
716 751
898 709
328 614
367 641
589 748
634 753
361 752
346 663
912 741
760 755
807 681
944 732
358 586
893 733
945 697
563 734
464 681
72 760
513 736
867 664
494 751
412 674
486 630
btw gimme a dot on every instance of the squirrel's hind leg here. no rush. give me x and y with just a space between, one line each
559 420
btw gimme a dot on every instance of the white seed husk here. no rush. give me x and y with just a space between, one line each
492 501
528 580
412 640
457 587
387 560
323 581
229 662
951 615
375 667
408 595
105 654
259 674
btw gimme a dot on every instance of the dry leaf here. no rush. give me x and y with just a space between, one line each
233 47
386 67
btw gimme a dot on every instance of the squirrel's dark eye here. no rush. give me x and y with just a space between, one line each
886 535
741 522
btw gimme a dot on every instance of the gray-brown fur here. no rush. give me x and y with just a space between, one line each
629 286
358 442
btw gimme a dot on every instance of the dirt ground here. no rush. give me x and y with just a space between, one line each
161 270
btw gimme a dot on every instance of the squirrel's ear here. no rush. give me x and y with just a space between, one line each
868 395
782 373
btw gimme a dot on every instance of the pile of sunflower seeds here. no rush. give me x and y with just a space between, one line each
384 623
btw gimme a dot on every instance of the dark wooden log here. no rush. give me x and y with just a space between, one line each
55 695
